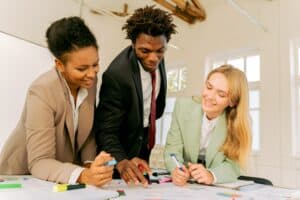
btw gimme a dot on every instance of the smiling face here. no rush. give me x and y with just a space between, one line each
80 68
150 50
215 95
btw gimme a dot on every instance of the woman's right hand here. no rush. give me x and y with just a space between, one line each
97 174
180 177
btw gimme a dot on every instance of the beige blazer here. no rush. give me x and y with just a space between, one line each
184 140
44 143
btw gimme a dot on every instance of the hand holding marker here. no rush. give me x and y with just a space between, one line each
65 187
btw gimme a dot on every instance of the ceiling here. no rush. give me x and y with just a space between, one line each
115 8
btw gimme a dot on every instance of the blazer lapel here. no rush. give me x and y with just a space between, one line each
84 122
192 129
69 112
217 139
70 125
163 76
136 78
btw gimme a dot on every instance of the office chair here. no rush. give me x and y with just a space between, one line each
256 180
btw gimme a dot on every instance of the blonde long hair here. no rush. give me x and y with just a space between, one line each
238 140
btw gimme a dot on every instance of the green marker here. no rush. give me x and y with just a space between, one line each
10 185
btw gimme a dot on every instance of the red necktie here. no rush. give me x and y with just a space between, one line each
152 118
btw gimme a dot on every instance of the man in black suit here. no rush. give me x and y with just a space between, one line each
122 119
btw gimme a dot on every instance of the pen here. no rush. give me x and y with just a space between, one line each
65 187
160 173
173 156
145 174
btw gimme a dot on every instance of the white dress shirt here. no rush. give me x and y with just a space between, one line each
81 96
206 130
147 90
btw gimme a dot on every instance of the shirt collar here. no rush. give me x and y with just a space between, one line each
143 72
82 93
210 123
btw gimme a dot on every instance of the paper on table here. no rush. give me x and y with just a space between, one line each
270 192
234 185
33 188
161 191
295 195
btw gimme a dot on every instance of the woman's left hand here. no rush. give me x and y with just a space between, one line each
199 173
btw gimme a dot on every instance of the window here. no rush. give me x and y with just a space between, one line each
249 63
163 124
177 79
295 95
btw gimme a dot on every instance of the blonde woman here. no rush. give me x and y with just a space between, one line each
210 136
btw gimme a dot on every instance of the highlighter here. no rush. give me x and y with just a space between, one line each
10 185
65 187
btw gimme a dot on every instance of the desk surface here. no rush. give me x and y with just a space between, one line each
33 188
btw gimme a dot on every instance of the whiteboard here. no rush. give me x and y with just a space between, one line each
21 63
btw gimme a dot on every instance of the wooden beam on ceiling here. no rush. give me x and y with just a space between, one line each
176 11
185 10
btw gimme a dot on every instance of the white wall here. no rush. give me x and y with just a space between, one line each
224 30
29 19
21 63
289 30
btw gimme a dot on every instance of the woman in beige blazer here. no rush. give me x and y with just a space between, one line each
210 136
53 139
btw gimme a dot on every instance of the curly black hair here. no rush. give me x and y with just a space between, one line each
151 21
68 34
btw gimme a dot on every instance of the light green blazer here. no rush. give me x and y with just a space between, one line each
184 140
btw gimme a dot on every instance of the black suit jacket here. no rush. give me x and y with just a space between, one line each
118 121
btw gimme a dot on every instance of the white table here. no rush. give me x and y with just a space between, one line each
33 188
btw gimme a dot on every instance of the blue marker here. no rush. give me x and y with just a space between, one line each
173 156
110 163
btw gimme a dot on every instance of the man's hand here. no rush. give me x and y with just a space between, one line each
201 174
130 172
97 174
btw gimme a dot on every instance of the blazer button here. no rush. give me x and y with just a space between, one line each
140 138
